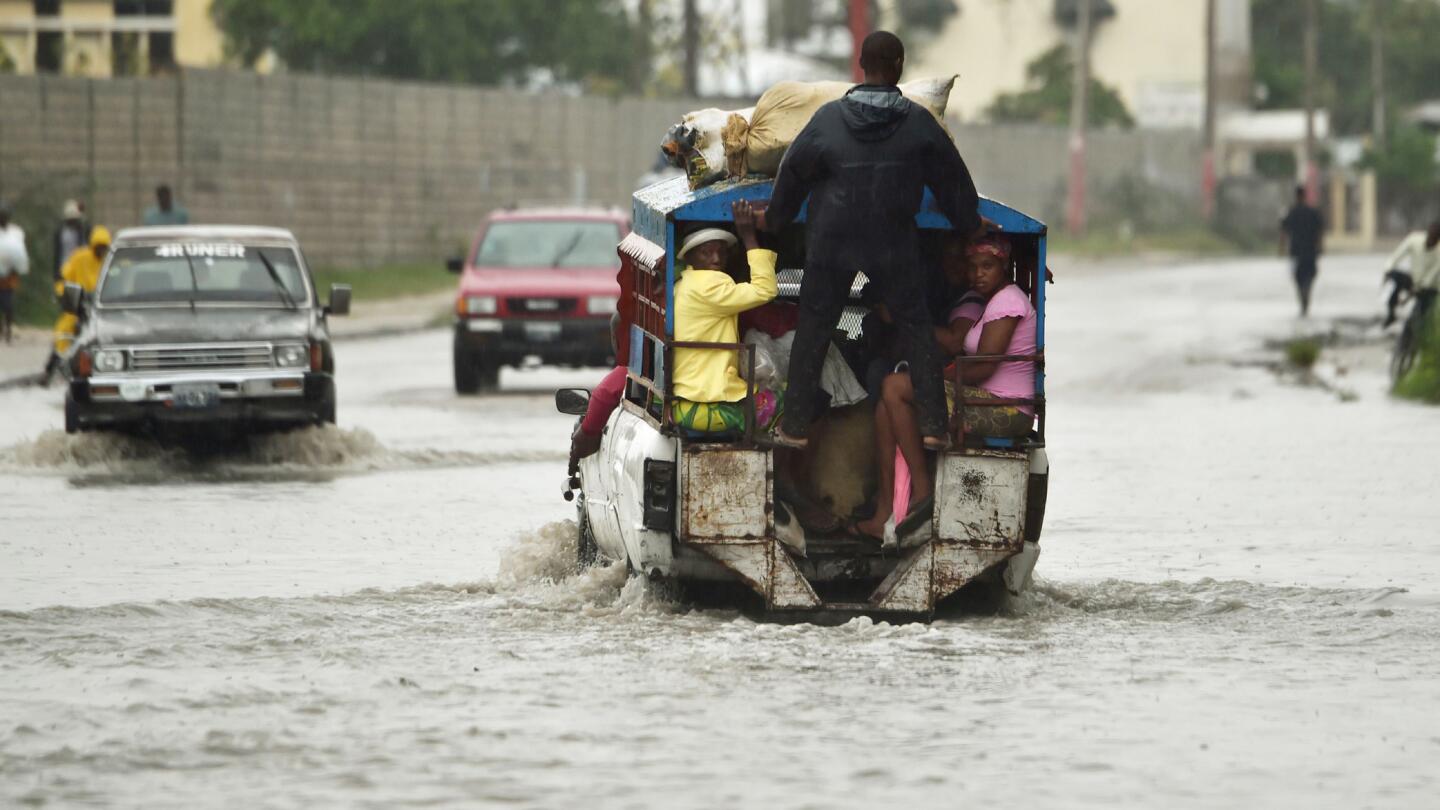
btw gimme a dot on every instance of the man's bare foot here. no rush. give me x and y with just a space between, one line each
874 527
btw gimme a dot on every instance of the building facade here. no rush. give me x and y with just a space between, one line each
105 38
1151 52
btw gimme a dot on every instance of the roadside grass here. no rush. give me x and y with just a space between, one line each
1423 381
1302 352
386 281
1105 242
35 303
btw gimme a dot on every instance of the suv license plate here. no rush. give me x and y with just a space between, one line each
195 395
542 332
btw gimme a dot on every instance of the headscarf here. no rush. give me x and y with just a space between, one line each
990 245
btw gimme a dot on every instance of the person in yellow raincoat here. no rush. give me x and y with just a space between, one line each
83 268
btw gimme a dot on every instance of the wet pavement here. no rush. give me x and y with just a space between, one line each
1237 601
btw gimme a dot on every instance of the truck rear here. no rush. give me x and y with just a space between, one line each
704 512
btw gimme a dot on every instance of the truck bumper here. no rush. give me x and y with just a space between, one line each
261 398
508 341
728 532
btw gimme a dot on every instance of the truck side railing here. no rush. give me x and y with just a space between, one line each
962 402
648 393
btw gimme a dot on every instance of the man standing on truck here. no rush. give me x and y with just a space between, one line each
1305 229
864 162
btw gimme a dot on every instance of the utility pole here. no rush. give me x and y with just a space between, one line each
1079 113
644 48
1377 74
859 29
1207 165
1312 47
691 46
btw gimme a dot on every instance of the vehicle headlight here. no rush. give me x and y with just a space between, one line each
601 304
480 304
109 361
292 356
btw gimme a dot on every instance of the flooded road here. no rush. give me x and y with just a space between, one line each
1239 600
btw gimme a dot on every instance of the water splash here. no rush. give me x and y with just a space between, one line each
325 448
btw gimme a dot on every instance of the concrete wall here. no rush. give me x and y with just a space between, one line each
364 171
1150 178
368 172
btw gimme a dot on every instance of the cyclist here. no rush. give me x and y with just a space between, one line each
1420 253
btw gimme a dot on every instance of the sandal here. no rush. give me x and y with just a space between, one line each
783 439
918 515
937 443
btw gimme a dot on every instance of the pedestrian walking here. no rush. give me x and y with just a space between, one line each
14 263
1304 227
166 211
864 163
72 233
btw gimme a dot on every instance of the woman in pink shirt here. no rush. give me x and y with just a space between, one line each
1007 327
1004 326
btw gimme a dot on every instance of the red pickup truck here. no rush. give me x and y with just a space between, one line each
538 282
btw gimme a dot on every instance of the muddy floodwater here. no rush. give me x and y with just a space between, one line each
1238 600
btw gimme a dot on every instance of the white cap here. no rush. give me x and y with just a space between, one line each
72 210
704 235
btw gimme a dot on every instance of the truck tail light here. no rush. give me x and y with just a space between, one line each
83 364
659 505
317 357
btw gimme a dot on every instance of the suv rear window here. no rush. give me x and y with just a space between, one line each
549 244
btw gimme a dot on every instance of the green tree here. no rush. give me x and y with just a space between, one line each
1412 59
1406 168
437 40
1051 80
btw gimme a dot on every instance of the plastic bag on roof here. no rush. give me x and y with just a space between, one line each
696 144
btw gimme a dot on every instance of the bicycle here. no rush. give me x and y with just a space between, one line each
1407 345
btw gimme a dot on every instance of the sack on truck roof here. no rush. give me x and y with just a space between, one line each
711 144
787 107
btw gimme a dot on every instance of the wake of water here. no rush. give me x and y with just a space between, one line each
314 449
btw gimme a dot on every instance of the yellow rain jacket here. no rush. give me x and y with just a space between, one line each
83 268
707 308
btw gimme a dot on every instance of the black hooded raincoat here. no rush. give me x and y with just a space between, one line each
864 162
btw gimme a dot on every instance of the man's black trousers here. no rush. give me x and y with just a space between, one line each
824 292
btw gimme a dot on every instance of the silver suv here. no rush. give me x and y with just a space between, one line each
202 326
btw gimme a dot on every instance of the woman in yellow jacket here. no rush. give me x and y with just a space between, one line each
83 268
710 393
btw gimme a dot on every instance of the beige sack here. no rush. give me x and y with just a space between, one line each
787 107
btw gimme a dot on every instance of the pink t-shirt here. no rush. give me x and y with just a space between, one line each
1013 379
